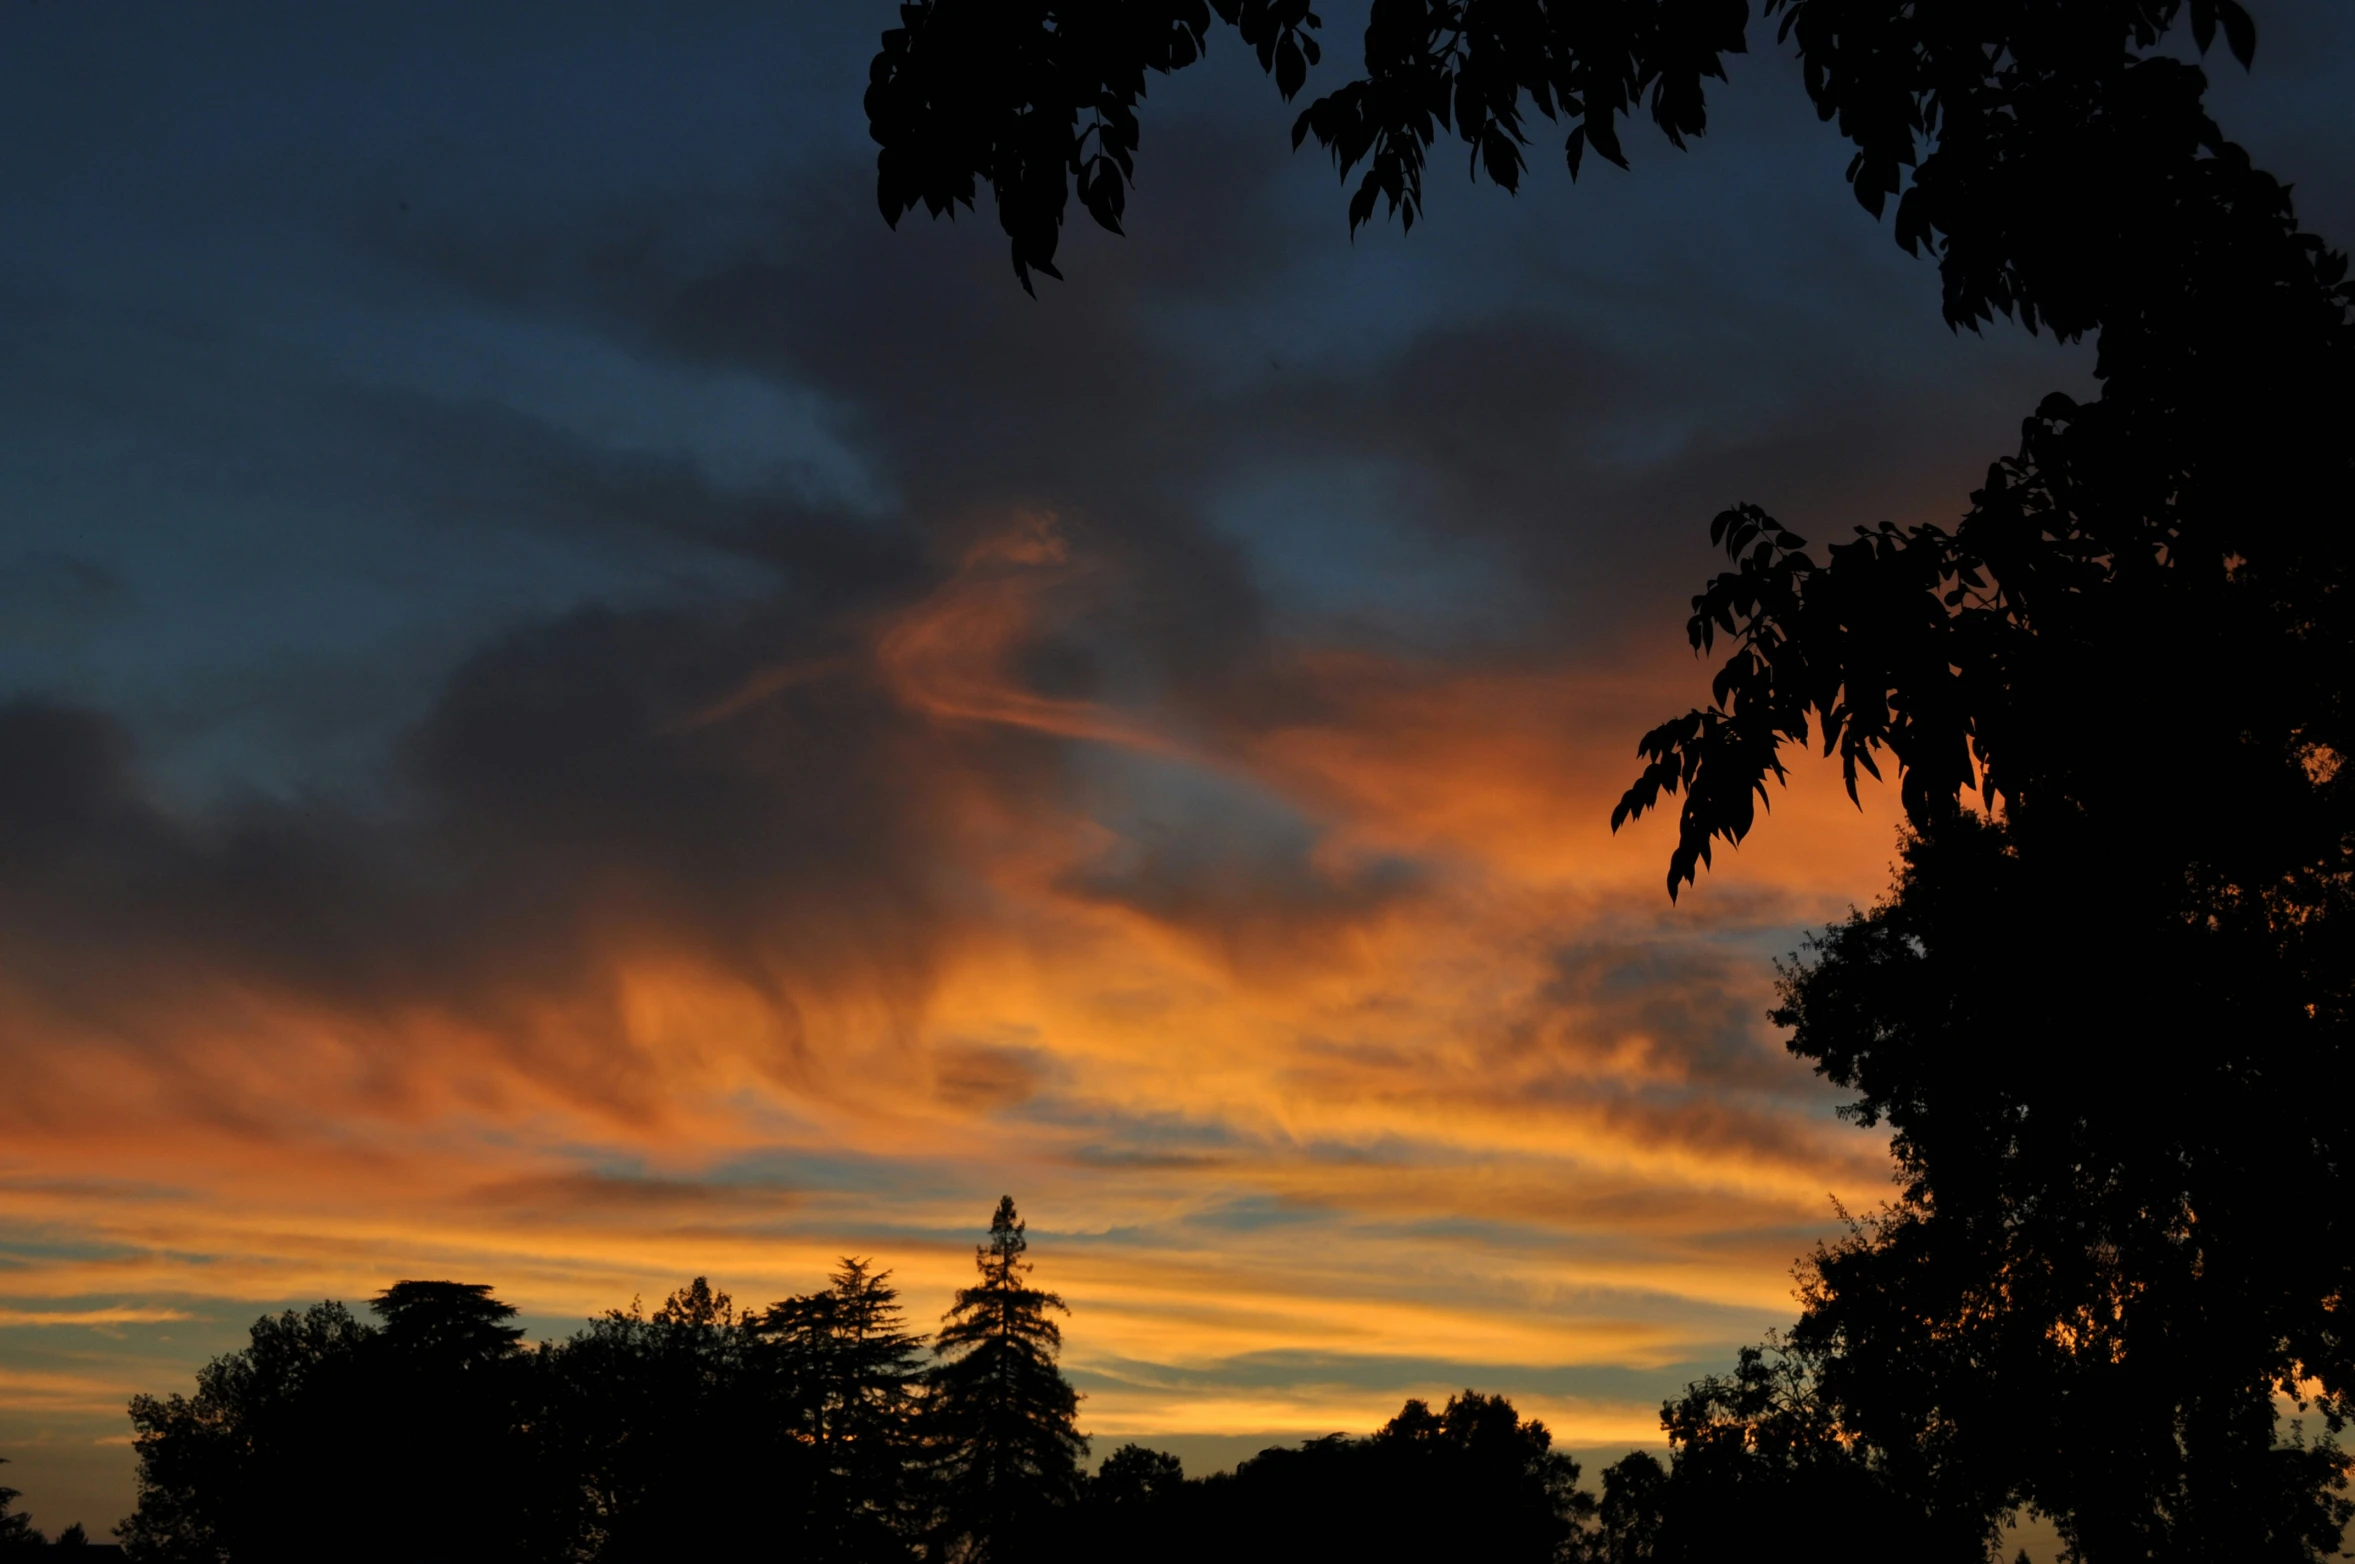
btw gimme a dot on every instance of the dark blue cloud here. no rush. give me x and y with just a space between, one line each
340 341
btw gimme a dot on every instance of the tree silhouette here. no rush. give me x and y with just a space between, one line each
1002 1415
2014 120
1505 1491
407 1443
2121 1234
855 1372
17 1534
1633 1508
449 1401
1762 1468
796 1431
697 1430
258 1464
1133 1477
1137 1507
456 1326
674 1434
2158 575
1472 1480
2152 586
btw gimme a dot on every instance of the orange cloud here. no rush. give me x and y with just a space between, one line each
1332 1030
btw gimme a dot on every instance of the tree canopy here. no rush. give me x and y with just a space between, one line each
812 1429
1001 1406
17 1534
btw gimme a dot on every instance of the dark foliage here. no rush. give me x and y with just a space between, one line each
2101 1024
855 1376
1038 99
1987 104
806 1431
1138 1506
17 1534
1470 1481
453 1400
2144 613
706 1430
803 1430
1483 1484
2122 1232
670 1435
1003 1414
256 1462
2061 173
1762 1469
325 1426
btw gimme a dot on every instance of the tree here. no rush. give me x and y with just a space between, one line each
405 1443
444 1423
1004 1419
1472 1480
2095 1016
855 1370
1503 1492
1138 1507
435 1436
256 1465
2016 120
454 1325
1133 1477
17 1534
2106 1267
1628 1520
1760 1467
676 1434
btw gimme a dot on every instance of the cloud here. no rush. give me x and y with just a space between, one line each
725 944
121 1314
38 1391
559 813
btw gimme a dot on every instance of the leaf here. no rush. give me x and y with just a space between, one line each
1291 68
2240 31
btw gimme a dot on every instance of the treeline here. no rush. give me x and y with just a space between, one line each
19 1536
821 1428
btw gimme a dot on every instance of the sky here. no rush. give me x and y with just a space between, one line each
575 712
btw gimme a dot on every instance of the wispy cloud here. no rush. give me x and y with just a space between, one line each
113 1315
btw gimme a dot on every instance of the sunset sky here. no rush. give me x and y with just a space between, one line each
579 713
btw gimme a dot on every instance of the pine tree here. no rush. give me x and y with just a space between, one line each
1003 1415
16 1527
854 1372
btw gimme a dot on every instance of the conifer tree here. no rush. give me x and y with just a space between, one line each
16 1527
1003 1416
855 1372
